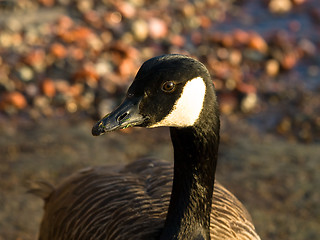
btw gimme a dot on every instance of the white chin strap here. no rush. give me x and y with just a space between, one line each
187 108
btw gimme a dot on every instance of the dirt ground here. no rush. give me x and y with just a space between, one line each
277 180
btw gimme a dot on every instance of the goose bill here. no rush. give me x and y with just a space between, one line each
124 116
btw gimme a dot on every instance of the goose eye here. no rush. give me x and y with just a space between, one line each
168 86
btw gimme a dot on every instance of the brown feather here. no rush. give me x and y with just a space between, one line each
130 203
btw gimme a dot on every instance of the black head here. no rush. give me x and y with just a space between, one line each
168 90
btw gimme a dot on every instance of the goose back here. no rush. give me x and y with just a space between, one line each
127 203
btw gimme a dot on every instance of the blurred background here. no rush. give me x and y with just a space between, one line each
66 63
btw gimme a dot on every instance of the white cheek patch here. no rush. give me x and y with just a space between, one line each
187 108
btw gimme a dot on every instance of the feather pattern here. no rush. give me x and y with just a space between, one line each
130 203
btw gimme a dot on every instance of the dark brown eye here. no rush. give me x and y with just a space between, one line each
168 86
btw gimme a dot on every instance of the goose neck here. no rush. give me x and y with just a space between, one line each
195 158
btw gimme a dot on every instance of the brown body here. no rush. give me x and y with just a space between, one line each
104 203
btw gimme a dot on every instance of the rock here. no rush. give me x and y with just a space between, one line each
62 86
223 53
71 106
272 67
177 40
113 18
35 57
84 5
280 6
58 50
41 102
308 47
64 23
13 99
26 73
227 40
103 67
78 34
75 90
126 9
157 28
48 88
188 10
140 30
249 103
95 43
127 68
32 90
257 42
93 18
235 57
14 25
76 53
87 73
196 37
205 22
241 37
289 60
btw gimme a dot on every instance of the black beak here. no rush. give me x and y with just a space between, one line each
126 115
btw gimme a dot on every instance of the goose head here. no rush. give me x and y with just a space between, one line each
169 90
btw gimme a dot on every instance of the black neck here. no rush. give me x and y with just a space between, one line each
195 158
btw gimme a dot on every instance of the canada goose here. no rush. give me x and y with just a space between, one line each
139 200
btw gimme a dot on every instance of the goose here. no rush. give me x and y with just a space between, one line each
150 198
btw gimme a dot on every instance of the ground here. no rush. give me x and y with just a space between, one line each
275 179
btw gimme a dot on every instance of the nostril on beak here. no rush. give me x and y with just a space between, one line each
121 117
